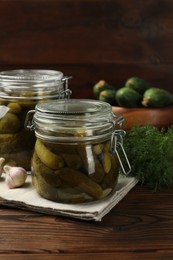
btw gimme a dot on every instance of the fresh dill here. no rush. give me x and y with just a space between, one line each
150 153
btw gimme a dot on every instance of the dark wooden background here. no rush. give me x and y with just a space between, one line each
90 40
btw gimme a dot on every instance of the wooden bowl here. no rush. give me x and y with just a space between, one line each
159 117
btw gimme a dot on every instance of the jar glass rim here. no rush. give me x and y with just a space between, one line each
74 108
30 75
33 84
89 119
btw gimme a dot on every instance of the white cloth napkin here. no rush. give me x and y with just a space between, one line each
26 197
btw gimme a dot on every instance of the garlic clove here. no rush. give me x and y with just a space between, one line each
2 160
15 176
9 181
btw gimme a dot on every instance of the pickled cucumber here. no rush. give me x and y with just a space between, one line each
81 181
59 195
10 123
48 174
110 179
98 148
14 107
107 162
62 148
72 160
107 147
88 174
51 160
9 143
45 189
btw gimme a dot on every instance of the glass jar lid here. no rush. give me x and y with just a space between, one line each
30 75
31 84
75 108
65 119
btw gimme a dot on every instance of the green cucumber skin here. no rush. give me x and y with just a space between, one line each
157 97
100 86
108 95
138 84
127 97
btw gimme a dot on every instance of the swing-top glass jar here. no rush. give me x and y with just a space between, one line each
20 91
76 155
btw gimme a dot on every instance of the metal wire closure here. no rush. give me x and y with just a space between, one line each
67 92
117 142
28 121
30 125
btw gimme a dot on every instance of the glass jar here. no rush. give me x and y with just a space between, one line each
20 91
75 158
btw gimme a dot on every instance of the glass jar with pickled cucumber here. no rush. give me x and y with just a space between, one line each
76 156
20 91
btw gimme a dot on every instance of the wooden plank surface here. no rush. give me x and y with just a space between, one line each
140 226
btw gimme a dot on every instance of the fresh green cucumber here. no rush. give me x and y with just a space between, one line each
127 97
138 84
157 97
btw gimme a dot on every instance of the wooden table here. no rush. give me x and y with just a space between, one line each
139 227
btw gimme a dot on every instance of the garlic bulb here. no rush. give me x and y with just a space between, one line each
15 176
2 160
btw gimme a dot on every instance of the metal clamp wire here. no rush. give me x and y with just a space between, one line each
117 142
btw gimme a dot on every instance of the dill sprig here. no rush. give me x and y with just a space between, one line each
150 152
